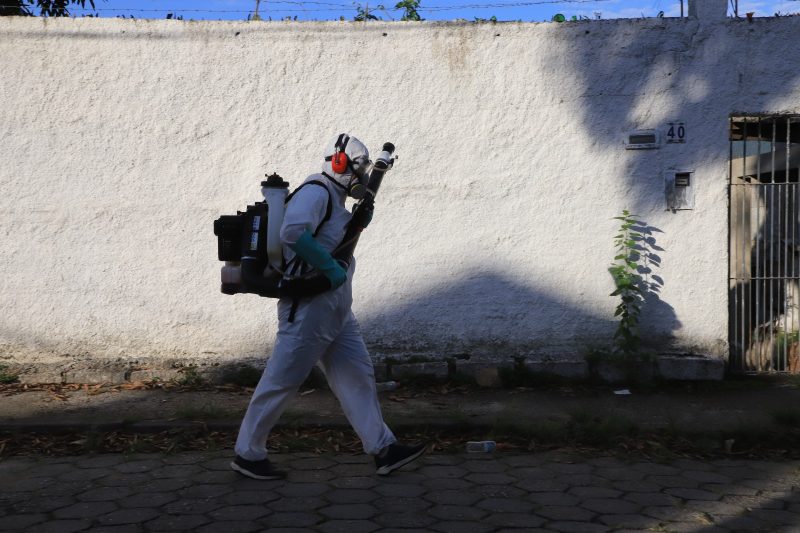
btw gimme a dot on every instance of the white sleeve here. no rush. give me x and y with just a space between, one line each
304 212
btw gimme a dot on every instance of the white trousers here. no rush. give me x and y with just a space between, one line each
324 330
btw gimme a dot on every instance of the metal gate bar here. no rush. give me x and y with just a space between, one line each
764 263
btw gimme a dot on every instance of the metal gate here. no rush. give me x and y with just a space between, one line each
764 269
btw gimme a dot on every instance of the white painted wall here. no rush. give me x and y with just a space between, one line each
123 140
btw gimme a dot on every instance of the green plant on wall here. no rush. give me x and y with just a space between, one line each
6 376
409 8
628 284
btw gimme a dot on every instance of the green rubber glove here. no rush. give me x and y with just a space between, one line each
318 257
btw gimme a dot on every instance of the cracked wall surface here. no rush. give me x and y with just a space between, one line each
123 140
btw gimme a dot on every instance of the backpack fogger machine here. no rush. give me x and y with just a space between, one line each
249 242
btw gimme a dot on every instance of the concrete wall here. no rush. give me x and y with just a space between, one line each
123 140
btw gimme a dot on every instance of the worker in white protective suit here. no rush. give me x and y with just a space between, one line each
321 329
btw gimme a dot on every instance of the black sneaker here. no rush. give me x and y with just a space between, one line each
396 456
257 469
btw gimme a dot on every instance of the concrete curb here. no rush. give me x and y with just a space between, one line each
486 372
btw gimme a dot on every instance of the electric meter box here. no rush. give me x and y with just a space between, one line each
679 189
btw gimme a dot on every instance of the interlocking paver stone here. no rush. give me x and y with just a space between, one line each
211 477
500 491
353 470
23 521
117 479
534 472
310 476
297 504
655 469
348 526
355 482
704 476
542 485
666 512
594 492
457 512
399 489
568 526
401 504
628 521
351 495
405 519
290 519
85 510
506 505
239 512
673 482
553 498
452 497
561 512
30 484
187 522
149 499
63 526
609 506
516 520
651 498
570 468
776 517
244 497
446 483
128 516
205 491
295 490
485 466
542 492
313 463
443 459
100 461
693 494
41 505
134 467
224 463
349 511
715 508
104 494
461 527
192 506
164 485
126 528
443 471
490 478
617 473
635 485
229 526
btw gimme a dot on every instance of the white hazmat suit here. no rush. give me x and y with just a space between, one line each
323 330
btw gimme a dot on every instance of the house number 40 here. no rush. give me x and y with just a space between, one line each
676 132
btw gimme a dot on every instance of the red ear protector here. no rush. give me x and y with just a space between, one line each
339 162
339 159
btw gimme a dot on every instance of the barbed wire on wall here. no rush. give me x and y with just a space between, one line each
315 6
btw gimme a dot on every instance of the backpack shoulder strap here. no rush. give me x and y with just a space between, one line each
328 209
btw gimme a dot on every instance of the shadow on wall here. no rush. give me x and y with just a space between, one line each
656 315
492 315
653 71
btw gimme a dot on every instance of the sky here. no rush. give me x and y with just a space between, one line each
524 10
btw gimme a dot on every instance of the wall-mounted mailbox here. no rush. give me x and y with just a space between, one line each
679 189
642 140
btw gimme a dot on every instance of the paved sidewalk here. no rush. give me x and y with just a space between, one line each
460 493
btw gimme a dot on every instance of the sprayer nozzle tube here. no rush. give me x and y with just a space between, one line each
384 159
